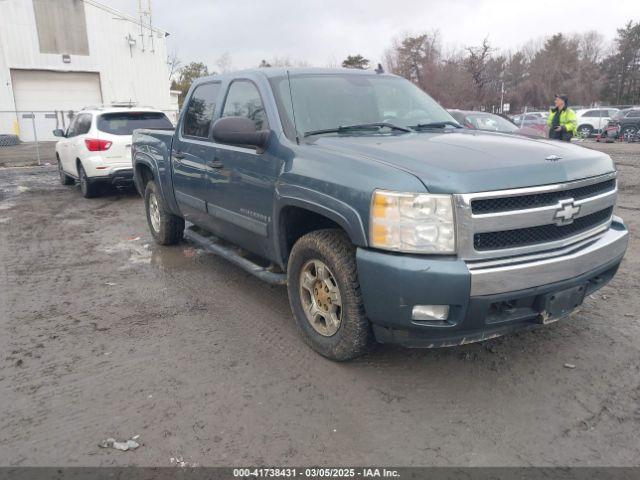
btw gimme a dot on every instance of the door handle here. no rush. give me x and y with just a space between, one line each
215 163
178 155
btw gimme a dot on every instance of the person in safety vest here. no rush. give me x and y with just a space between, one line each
562 121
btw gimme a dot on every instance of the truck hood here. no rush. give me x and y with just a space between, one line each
470 161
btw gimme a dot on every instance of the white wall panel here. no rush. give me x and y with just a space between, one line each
125 74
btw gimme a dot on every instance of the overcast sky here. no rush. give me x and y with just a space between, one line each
324 32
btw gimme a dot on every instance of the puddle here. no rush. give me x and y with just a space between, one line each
138 253
179 256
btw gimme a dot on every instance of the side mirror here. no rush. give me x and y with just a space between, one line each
239 131
58 132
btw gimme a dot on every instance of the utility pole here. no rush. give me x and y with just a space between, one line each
501 96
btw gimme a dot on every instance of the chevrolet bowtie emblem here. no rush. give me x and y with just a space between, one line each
566 212
553 158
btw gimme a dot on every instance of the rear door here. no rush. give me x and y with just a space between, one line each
192 148
64 147
76 143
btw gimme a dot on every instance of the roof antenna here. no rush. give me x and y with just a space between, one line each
293 110
379 70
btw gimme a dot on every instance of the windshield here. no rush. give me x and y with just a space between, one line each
124 123
328 101
488 121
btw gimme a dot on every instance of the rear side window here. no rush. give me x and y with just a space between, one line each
84 124
199 114
124 123
243 100
591 113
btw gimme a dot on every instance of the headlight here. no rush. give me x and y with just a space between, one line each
412 222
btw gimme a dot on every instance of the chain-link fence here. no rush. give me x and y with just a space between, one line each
33 131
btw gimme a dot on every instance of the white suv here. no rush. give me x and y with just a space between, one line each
96 148
594 120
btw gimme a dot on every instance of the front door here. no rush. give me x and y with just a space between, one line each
241 180
65 147
192 148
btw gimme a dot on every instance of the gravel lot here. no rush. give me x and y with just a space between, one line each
104 334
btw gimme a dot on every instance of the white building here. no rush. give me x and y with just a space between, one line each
58 56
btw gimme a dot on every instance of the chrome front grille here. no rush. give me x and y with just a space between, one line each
504 204
527 220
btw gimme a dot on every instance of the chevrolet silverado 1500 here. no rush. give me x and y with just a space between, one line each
386 220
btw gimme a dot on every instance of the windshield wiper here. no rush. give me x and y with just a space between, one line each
361 126
444 124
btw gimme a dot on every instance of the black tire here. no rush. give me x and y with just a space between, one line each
169 228
88 188
585 130
333 248
64 178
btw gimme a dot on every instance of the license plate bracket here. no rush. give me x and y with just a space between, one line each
556 305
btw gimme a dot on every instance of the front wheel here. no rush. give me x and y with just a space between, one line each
166 228
325 297
64 178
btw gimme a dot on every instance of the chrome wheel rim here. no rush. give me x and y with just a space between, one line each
154 212
320 296
585 131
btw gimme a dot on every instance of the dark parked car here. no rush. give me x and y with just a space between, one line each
624 123
491 122
385 218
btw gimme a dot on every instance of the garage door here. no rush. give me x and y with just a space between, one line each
44 92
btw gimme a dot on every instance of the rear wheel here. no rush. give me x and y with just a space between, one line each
87 187
166 228
64 178
585 131
627 132
325 297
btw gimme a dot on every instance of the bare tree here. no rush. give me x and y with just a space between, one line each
224 62
174 64
476 64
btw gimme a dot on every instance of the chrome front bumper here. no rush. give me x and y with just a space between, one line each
490 277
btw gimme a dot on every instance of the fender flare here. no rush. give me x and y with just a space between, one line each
142 159
138 161
330 207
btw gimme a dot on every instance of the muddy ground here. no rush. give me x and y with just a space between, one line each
103 334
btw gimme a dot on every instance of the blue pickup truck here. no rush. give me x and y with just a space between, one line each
386 220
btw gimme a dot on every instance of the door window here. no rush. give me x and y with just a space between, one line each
71 131
592 113
199 114
243 100
634 114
